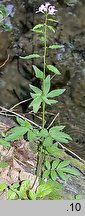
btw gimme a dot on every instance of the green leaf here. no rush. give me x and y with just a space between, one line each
53 69
38 31
51 28
46 173
14 186
43 190
3 186
48 101
30 56
38 72
47 164
57 128
32 195
48 141
62 175
24 188
55 164
11 195
56 46
24 123
38 26
63 164
17 133
31 136
55 93
54 150
78 197
3 164
53 101
43 133
52 20
4 143
36 89
53 175
71 171
47 85
59 136
36 104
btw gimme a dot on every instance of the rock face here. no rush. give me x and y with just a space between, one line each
16 75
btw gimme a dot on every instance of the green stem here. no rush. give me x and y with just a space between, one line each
45 49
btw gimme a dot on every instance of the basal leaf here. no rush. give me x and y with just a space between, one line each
3 186
36 104
54 151
53 175
62 175
24 123
30 56
47 164
47 85
46 173
24 188
71 171
35 89
4 143
3 164
38 72
56 46
43 190
63 164
55 93
11 195
53 69
55 163
18 133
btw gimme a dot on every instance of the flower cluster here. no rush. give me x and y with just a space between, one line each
47 8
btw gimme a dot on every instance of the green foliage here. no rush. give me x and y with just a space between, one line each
58 135
59 168
53 69
38 73
30 56
3 186
4 143
56 46
51 28
3 164
3 17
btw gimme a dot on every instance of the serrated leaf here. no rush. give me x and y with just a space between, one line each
32 195
47 85
55 93
11 195
17 133
54 150
53 69
71 171
4 143
38 72
24 123
3 164
55 164
36 104
24 188
59 136
47 164
36 89
48 141
53 175
62 175
3 186
56 46
38 26
30 56
43 133
51 28
31 136
46 173
43 190
63 164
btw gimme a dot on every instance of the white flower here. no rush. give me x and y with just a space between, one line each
47 8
